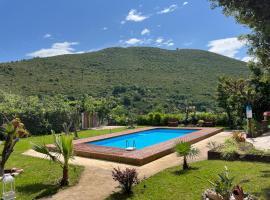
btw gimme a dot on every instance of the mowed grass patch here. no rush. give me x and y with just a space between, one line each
174 183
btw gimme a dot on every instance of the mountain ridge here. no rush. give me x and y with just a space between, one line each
165 76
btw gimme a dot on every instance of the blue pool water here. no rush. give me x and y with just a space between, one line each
142 139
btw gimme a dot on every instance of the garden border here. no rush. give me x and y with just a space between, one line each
215 155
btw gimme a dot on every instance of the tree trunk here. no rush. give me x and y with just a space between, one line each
185 164
2 168
65 180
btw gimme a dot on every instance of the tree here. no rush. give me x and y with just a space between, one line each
10 133
256 15
233 95
186 150
63 147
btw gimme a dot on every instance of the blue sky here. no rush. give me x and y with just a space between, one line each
41 28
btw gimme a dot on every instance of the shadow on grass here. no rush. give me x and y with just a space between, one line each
119 196
180 172
40 188
265 173
265 192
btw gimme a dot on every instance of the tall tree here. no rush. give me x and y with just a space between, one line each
256 15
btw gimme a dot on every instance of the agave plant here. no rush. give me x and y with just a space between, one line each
10 133
186 150
63 147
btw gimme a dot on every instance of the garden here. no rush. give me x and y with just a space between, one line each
235 169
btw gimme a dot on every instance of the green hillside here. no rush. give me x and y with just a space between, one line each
136 74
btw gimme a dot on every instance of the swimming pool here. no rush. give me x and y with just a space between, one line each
151 142
142 139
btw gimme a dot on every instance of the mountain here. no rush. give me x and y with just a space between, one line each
138 75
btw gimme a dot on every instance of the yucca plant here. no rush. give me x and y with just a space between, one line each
186 150
63 147
10 133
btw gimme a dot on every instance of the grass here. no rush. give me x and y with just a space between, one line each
174 184
40 177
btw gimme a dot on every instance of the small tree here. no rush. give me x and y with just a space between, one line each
10 133
186 150
126 178
63 147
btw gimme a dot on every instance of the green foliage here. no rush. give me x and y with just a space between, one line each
231 147
63 147
40 115
186 150
223 185
133 75
162 119
254 14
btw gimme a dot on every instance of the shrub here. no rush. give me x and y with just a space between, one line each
186 150
126 178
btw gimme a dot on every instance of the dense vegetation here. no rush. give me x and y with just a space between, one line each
43 114
141 77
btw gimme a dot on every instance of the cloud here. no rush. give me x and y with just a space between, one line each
105 28
169 9
47 35
185 3
159 40
55 50
133 41
147 41
227 46
135 16
145 31
249 58
162 42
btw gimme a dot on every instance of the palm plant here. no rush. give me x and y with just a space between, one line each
63 147
186 150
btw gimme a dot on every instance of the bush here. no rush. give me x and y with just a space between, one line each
126 178
40 115
161 119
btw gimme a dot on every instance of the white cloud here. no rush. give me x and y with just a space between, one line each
227 46
249 58
105 28
185 3
135 16
55 50
168 43
169 9
133 41
47 35
159 40
145 31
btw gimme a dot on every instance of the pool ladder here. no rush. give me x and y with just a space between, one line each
130 148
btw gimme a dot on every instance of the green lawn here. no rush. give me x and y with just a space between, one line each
173 184
40 176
